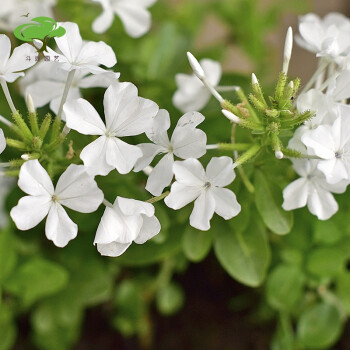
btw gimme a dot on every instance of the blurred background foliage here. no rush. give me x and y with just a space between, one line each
71 298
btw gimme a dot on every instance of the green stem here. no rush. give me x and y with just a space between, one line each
159 198
8 96
241 95
252 151
234 146
65 92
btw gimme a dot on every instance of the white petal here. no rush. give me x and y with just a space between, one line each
59 227
103 21
30 211
212 70
150 228
134 207
220 171
190 119
149 151
334 170
321 142
83 117
189 172
113 249
121 156
191 95
5 49
181 195
188 142
44 91
161 175
2 141
18 62
71 43
322 204
203 211
226 204
117 227
93 53
342 89
158 131
94 156
78 191
34 180
295 195
99 80
136 20
116 100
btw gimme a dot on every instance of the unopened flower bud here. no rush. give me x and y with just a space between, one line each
196 67
229 115
30 104
288 46
279 155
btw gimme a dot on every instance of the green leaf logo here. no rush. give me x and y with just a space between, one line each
45 27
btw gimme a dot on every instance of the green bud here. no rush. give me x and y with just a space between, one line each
282 80
257 103
37 142
23 129
273 127
34 125
56 129
16 144
292 153
272 113
44 128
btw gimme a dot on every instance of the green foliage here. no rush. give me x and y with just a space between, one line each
268 200
245 254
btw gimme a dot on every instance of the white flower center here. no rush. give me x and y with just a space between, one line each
54 198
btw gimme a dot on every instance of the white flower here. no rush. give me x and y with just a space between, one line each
332 144
75 189
186 142
79 54
12 12
192 95
48 86
133 13
2 141
127 221
339 87
126 114
328 37
313 190
11 67
206 188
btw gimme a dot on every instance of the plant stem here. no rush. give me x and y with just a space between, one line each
227 88
159 198
8 96
5 121
323 65
65 92
107 204
252 151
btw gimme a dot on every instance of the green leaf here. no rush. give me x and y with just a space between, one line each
268 199
244 255
8 331
319 327
8 256
130 308
36 279
284 287
196 244
170 299
343 290
325 262
56 323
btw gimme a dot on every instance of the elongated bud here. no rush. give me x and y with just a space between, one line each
230 116
30 104
25 157
196 67
288 47
254 79
291 85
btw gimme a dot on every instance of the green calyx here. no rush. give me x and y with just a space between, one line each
36 140
271 117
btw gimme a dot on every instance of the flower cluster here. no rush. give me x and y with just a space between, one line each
319 148
325 139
